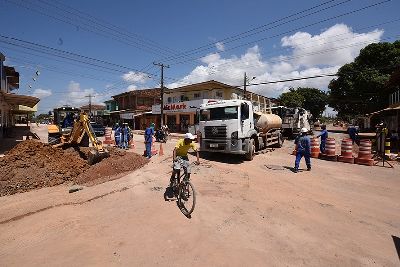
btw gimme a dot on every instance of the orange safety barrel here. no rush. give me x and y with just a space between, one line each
107 135
330 147
364 153
346 151
315 147
365 149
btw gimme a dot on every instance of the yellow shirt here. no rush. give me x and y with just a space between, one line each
182 149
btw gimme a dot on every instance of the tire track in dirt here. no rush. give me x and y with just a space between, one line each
19 217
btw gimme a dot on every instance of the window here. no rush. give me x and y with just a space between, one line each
223 113
196 95
184 98
219 94
169 99
245 111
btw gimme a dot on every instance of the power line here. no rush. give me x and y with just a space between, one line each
257 30
110 26
89 28
293 30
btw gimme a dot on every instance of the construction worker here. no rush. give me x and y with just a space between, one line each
324 135
303 149
117 135
353 133
124 136
148 139
180 156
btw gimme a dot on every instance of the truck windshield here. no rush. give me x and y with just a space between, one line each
222 113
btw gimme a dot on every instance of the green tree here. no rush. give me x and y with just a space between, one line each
311 99
291 99
362 86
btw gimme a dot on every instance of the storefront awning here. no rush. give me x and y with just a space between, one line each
24 100
383 110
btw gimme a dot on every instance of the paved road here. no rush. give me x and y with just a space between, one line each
247 214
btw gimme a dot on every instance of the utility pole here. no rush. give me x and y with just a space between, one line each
245 81
90 105
244 86
162 90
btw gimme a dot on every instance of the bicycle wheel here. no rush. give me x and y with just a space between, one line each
187 197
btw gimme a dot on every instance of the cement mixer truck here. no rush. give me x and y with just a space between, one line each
234 127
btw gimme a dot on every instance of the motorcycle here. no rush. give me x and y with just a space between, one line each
161 136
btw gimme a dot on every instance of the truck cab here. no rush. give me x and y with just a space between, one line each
226 125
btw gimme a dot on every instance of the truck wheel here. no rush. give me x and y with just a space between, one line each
252 149
279 144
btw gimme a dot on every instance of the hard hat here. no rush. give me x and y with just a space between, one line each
304 130
189 136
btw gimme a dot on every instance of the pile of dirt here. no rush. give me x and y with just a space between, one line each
32 165
119 162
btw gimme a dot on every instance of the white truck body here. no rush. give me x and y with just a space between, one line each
230 126
293 119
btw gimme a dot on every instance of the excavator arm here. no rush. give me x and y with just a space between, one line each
81 127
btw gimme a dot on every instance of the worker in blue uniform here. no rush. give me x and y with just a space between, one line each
117 135
324 135
148 139
124 136
303 145
353 133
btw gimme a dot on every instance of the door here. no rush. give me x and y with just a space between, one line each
184 123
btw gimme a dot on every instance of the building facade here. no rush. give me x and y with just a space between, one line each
13 107
134 108
180 104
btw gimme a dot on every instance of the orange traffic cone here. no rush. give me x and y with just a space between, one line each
161 151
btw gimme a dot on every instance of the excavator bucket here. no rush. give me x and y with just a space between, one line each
96 156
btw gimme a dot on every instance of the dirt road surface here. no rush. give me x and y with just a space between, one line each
247 214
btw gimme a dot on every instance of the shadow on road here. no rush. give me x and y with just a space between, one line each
396 242
221 157
169 196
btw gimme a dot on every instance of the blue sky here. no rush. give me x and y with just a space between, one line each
147 31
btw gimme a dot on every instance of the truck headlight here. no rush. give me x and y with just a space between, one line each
234 135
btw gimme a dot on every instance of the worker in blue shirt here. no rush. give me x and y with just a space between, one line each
117 135
303 144
124 136
353 133
148 139
324 135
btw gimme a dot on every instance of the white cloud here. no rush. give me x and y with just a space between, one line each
308 55
42 93
135 80
220 46
342 43
135 77
210 58
76 96
132 87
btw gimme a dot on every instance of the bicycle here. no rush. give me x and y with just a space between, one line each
184 191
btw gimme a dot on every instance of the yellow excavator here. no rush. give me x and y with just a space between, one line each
82 129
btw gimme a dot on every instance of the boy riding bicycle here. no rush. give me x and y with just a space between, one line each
180 156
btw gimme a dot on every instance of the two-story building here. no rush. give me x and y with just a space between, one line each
12 105
134 107
180 104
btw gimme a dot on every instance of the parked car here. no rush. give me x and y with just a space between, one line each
99 130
